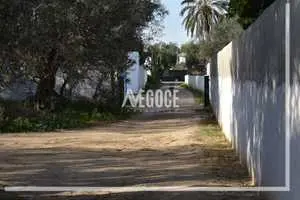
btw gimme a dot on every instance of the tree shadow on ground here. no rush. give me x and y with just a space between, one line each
199 162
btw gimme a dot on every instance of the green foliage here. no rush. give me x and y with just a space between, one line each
168 55
192 51
223 33
73 115
152 83
77 38
207 22
211 129
38 38
200 16
248 10
162 56
184 85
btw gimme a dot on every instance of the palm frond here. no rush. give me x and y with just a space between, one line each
200 15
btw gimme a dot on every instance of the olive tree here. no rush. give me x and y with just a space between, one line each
39 37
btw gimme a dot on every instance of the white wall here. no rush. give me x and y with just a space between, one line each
182 60
248 97
295 103
196 82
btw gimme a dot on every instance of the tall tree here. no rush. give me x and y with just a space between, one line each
162 57
192 51
221 34
201 15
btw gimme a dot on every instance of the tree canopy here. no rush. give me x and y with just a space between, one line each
192 52
201 15
221 34
40 37
162 56
211 25
248 10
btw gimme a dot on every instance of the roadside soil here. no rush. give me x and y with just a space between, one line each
181 147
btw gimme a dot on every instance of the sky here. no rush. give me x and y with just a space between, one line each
174 31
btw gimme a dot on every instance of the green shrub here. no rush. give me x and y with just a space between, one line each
73 115
152 83
184 85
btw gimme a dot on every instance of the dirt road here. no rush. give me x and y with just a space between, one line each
180 148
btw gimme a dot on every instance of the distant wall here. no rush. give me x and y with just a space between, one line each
24 89
84 89
196 82
248 97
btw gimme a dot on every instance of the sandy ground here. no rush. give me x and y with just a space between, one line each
152 149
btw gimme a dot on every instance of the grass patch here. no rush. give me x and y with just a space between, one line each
69 116
210 128
198 94
213 138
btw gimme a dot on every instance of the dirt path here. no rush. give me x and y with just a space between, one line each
181 148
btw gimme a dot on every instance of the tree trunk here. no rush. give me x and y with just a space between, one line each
120 89
45 89
113 83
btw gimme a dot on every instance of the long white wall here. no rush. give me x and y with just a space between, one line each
295 103
248 97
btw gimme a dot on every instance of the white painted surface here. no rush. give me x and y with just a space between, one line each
136 74
196 82
131 189
182 60
208 69
248 94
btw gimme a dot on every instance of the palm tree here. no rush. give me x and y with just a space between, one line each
201 15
